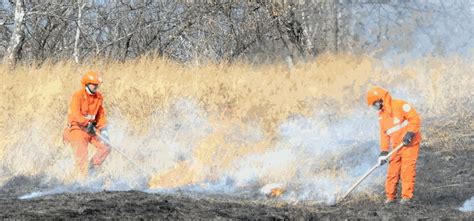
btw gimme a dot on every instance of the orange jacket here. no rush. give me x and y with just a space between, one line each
396 118
86 108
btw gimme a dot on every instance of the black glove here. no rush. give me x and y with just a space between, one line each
382 158
408 138
91 128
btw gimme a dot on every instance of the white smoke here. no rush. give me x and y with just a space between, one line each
182 126
178 130
315 158
468 206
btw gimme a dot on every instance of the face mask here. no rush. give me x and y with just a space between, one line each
378 105
90 90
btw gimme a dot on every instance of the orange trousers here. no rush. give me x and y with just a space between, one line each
402 165
79 141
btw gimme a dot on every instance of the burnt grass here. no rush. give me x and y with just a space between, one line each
444 182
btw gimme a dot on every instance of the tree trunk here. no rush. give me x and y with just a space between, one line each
78 32
18 35
337 16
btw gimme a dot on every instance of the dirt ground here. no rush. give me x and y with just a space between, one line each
444 182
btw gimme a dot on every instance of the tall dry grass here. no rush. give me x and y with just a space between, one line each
241 95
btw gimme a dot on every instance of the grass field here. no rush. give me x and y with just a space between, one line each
195 123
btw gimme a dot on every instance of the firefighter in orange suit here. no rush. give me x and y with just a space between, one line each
399 123
86 117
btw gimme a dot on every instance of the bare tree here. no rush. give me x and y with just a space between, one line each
258 30
18 35
80 6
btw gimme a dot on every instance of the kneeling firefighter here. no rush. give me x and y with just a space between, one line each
86 117
399 123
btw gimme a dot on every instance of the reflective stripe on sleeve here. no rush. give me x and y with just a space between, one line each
397 127
90 117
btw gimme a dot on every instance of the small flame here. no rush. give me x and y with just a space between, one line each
273 190
276 192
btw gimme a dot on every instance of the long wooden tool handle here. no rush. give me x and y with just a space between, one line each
123 155
369 172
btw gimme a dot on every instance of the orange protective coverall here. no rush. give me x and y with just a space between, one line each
86 108
396 118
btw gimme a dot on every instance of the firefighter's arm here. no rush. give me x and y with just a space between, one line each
100 118
384 140
75 112
412 117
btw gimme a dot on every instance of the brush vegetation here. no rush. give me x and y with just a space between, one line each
35 100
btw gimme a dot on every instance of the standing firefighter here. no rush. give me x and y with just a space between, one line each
86 117
399 123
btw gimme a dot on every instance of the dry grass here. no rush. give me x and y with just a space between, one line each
34 100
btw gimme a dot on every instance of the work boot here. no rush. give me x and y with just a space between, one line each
405 201
93 170
389 201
